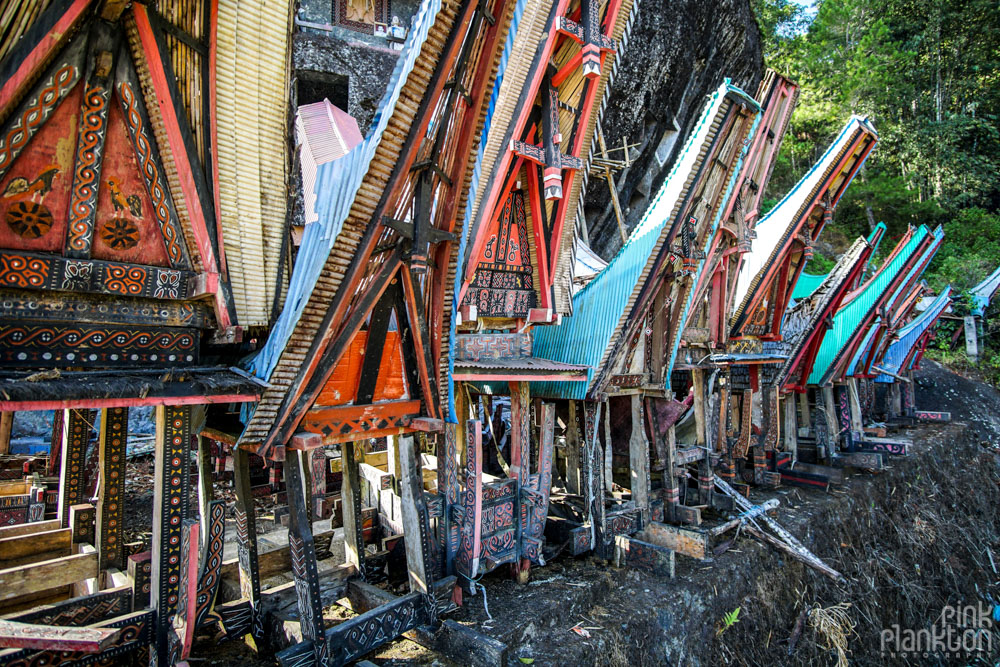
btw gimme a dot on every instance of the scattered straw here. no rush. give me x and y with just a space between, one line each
835 626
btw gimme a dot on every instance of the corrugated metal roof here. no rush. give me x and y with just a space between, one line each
807 285
910 335
773 229
601 306
324 133
524 364
983 293
855 312
337 183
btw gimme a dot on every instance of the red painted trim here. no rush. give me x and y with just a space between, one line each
14 86
419 350
344 412
99 403
514 377
213 46
567 69
192 202
541 256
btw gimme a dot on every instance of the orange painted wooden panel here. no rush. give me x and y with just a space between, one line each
342 387
35 193
126 229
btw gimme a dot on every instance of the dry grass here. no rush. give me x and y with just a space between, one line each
834 625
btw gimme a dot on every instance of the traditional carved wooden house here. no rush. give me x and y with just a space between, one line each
832 427
130 224
626 325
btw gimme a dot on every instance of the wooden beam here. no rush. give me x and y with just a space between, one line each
415 521
350 494
55 638
573 444
29 528
638 448
35 546
41 576
684 541
76 434
6 423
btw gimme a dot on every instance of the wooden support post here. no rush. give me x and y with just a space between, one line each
110 516
140 571
448 489
82 521
6 424
171 481
303 552
415 521
56 443
520 430
350 499
830 410
638 448
206 493
698 380
791 432
318 466
854 395
573 450
804 417
246 540
76 434
593 482
608 450
467 558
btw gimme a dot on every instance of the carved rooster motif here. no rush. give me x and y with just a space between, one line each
19 185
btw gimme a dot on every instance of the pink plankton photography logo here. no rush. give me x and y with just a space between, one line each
959 632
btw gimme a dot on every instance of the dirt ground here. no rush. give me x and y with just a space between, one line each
919 536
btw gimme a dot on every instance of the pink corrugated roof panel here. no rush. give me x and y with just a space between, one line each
325 133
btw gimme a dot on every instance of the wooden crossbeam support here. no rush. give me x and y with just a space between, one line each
28 635
350 495
419 551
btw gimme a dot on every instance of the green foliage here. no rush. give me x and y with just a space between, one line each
728 621
926 72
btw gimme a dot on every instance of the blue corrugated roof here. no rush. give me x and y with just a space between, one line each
983 292
599 307
910 334
852 315
337 185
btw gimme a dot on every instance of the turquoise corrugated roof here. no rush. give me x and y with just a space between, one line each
807 284
865 345
599 307
337 185
910 335
852 315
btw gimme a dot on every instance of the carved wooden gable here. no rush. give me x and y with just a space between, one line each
502 285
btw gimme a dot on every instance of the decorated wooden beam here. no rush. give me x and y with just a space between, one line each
590 36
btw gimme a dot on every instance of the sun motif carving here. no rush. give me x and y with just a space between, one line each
29 220
120 234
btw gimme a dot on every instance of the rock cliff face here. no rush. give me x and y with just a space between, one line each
678 52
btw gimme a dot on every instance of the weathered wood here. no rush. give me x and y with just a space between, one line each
646 556
29 528
573 444
350 494
274 562
38 546
140 571
693 543
6 423
55 638
415 521
698 380
47 574
247 561
638 449
830 412
461 644
790 431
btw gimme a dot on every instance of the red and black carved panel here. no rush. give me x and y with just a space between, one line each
135 633
498 533
467 560
32 345
449 489
14 509
28 271
114 436
148 158
492 347
354 638
502 285
39 105
80 611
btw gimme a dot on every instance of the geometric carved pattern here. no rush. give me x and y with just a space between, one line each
76 435
24 344
174 462
78 612
114 437
35 271
493 347
86 176
354 638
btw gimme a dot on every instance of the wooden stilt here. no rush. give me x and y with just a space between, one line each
56 443
110 518
448 487
246 540
698 380
594 484
6 424
804 417
791 432
76 433
638 448
303 552
170 499
520 427
415 520
830 410
573 441
854 395
608 450
350 498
